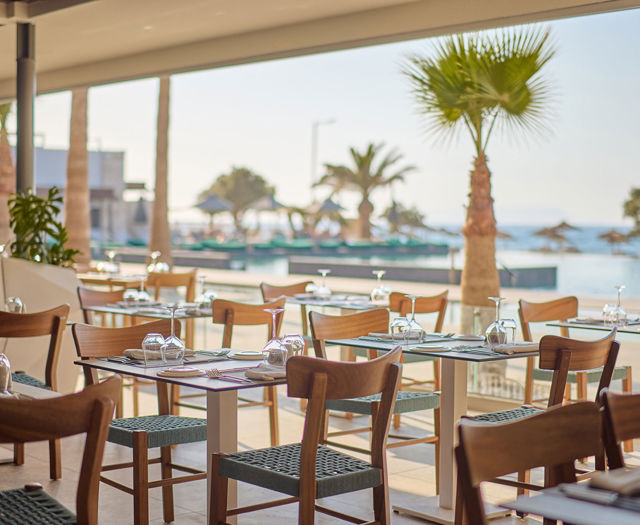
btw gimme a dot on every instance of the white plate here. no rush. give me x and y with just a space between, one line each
246 355
469 337
180 371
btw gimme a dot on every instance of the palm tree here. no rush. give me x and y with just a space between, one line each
632 210
160 238
76 195
7 175
481 83
364 178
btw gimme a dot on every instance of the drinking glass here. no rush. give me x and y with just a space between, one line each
311 288
206 297
380 294
620 313
294 343
496 333
609 315
510 324
112 266
274 352
414 330
15 305
162 267
152 347
398 328
151 267
173 348
143 295
130 295
324 290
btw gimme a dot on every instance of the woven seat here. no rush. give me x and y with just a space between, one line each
504 416
405 402
163 430
593 376
26 379
22 507
278 468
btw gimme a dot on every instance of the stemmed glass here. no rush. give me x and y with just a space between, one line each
414 329
324 290
206 297
151 267
274 352
620 313
496 333
311 288
143 296
15 305
173 347
380 294
112 267
130 295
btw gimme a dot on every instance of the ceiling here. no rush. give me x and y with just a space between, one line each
89 42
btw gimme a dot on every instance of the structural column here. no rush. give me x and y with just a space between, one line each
26 91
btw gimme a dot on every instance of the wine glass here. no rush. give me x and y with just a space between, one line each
295 344
324 290
274 352
143 295
112 266
496 333
414 329
620 314
380 294
151 267
130 295
173 347
311 288
152 347
398 328
15 305
206 297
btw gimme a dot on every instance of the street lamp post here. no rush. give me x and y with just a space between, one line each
314 147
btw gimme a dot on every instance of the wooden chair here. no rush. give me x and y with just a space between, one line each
271 292
309 470
560 310
94 297
231 314
553 439
561 355
142 433
621 424
52 323
325 327
28 420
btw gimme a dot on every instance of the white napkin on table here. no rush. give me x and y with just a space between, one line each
265 372
515 348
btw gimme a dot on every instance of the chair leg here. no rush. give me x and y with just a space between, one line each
167 492
140 478
626 388
18 453
528 382
218 495
55 463
306 509
135 389
120 403
175 400
272 396
381 503
436 430
567 393
581 385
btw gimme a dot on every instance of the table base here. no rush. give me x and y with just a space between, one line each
430 510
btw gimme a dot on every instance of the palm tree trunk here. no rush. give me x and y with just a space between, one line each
77 216
479 275
364 211
160 232
7 186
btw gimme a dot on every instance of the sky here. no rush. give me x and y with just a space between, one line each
260 116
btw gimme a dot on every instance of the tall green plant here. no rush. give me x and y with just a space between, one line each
40 237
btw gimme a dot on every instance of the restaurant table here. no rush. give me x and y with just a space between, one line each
556 505
147 311
110 280
633 328
342 301
222 402
453 405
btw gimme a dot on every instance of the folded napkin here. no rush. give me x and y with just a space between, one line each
266 372
137 353
180 371
515 348
625 481
390 337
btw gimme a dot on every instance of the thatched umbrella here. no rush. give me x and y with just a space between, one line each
565 226
553 234
504 235
213 204
266 203
327 207
614 237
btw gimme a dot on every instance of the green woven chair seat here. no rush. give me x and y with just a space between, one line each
593 376
163 430
408 358
22 507
26 379
504 416
278 468
405 402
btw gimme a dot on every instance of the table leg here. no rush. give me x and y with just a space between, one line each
222 435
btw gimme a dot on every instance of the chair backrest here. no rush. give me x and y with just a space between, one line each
318 380
557 310
89 411
563 355
48 322
231 313
159 280
94 297
621 423
270 291
399 302
553 439
325 327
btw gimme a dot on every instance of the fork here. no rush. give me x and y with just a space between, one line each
214 373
